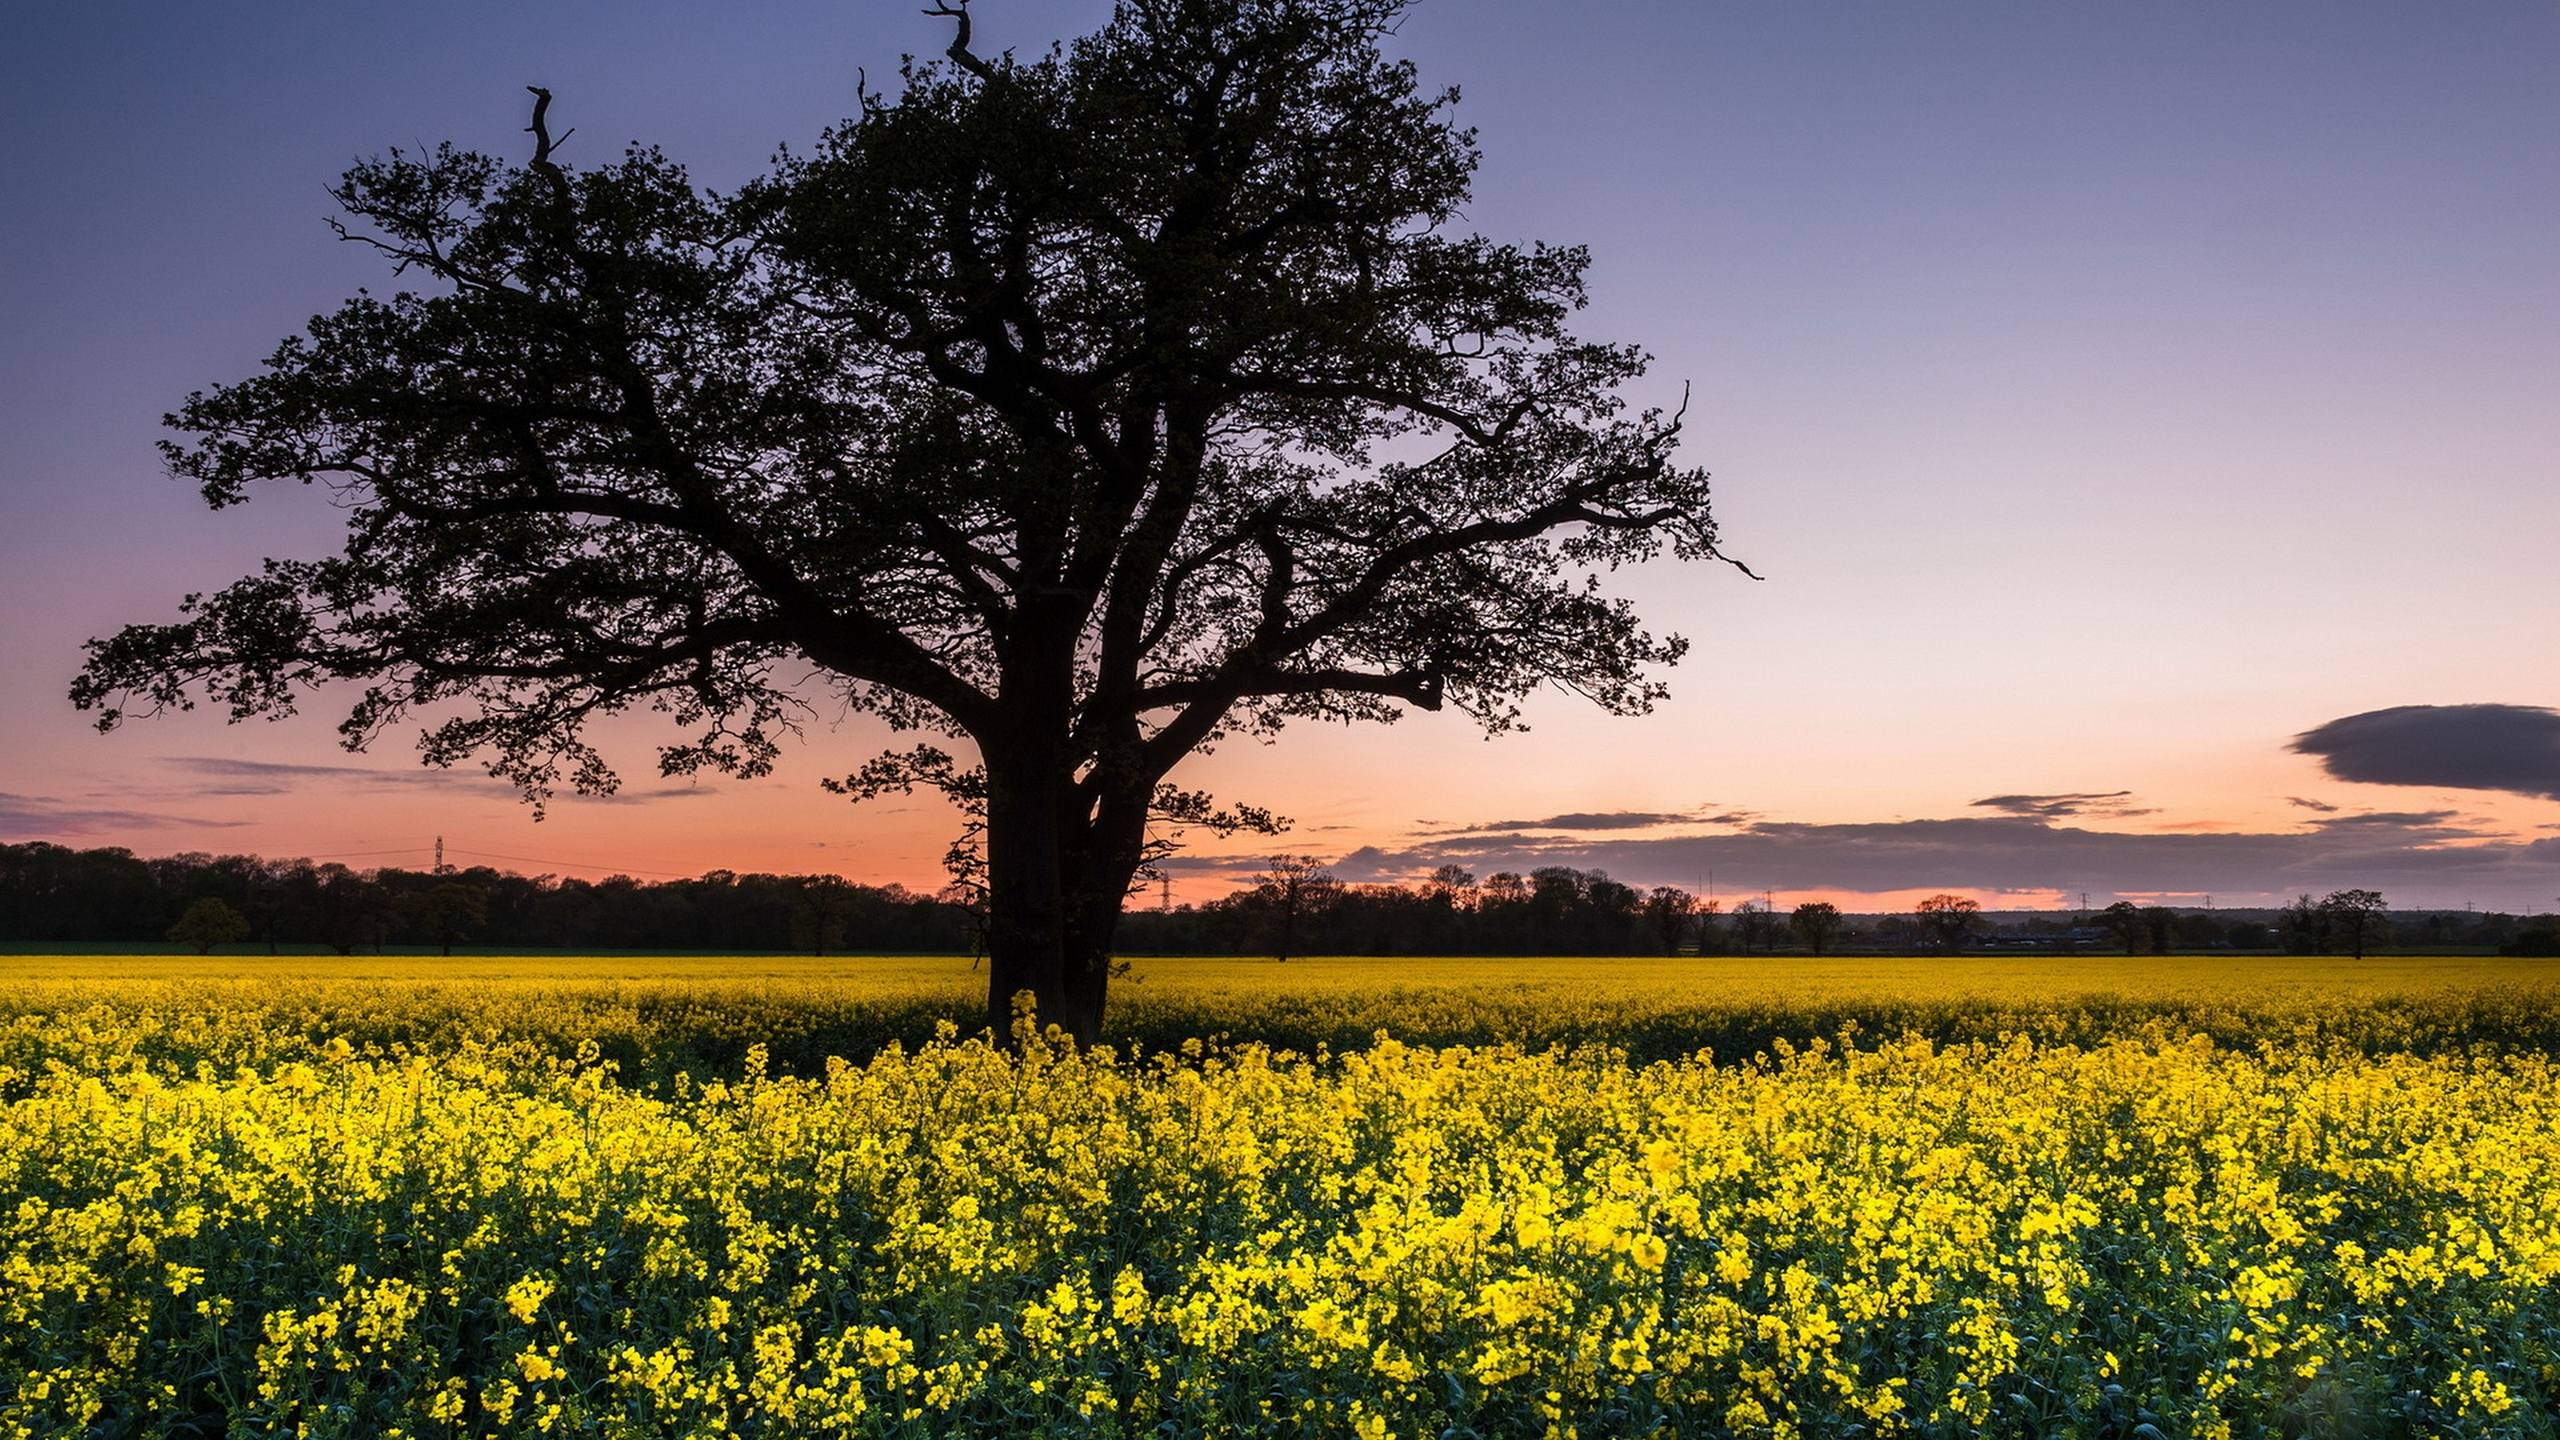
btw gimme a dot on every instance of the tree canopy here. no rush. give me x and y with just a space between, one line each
1090 409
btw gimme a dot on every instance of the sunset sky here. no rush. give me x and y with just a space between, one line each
2111 395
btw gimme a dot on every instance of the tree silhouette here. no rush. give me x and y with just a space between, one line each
1293 888
820 910
2303 926
1670 913
210 922
1948 920
1090 410
450 912
1707 922
2355 918
1817 923
349 913
1755 926
2123 920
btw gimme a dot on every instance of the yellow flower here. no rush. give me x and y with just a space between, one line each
524 1298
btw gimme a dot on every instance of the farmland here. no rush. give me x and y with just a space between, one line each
554 1196
655 1016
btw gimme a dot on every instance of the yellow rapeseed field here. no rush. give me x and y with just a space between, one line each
2068 1197
656 1015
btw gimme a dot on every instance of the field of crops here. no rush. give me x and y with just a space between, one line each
656 1016
2070 1197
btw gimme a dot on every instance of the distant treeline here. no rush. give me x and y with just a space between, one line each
52 894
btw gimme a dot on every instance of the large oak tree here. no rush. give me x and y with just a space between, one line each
1088 409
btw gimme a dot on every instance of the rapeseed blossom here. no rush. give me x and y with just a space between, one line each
226 1214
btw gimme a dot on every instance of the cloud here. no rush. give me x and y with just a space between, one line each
2392 820
2423 863
2455 747
227 776
1594 820
231 776
1214 864
1607 820
41 817
2322 806
2055 807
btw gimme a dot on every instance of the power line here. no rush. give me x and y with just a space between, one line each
492 855
572 864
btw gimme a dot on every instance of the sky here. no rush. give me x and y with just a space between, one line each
2143 416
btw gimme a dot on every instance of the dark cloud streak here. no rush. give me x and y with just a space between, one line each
2017 853
2454 747
1593 820
41 817
2116 803
272 777
2434 820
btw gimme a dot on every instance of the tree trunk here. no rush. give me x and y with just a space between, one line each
1058 874
1026 909
1101 868
1087 954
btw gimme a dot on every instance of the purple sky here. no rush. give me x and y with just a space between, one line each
2112 395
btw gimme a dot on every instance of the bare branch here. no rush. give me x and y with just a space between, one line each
960 53
540 129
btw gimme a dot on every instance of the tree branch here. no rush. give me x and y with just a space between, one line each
960 53
540 129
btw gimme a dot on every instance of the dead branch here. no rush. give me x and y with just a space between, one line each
540 129
960 53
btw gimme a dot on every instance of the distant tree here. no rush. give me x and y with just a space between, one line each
2355 919
1451 886
969 902
2188 933
1554 904
450 912
2538 937
821 911
2303 927
1670 913
1444 914
1610 918
1293 888
210 922
2159 924
2248 935
1817 923
1947 921
2433 927
1755 926
1707 922
263 899
1087 409
2123 923
353 913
